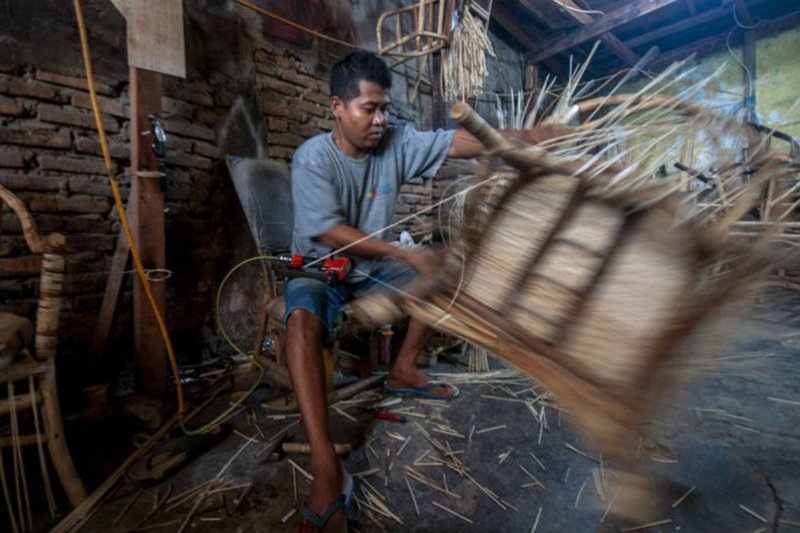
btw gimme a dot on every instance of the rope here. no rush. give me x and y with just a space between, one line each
296 26
126 230
140 270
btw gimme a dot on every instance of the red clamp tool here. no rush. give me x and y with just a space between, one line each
331 270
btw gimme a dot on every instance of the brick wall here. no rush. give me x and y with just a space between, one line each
50 156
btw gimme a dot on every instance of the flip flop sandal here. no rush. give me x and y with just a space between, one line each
342 502
425 391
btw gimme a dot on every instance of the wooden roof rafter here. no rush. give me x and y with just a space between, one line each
597 27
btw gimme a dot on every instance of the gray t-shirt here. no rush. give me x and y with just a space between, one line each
330 188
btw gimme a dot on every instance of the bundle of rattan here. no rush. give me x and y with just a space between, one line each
584 276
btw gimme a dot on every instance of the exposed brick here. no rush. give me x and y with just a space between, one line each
261 56
415 189
79 203
177 108
269 69
11 158
106 105
27 182
75 83
305 130
27 137
312 108
29 88
82 165
178 144
274 108
325 124
277 124
225 98
187 160
7 67
321 99
286 139
178 192
206 149
83 283
21 266
10 106
84 302
189 130
85 242
302 80
86 224
281 87
118 150
94 185
411 199
194 97
208 117
280 152
74 117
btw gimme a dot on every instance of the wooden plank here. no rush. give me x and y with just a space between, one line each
119 264
714 43
613 43
596 28
155 36
619 48
510 24
678 27
147 224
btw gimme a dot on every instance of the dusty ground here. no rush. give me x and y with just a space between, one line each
728 435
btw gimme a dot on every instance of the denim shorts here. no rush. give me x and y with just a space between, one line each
324 301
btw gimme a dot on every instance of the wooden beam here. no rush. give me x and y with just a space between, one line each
602 25
506 20
716 42
678 27
105 320
147 224
509 23
616 46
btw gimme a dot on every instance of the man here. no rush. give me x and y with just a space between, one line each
344 189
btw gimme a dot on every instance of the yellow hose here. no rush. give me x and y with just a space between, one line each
126 230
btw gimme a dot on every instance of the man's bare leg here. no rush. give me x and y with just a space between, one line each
304 357
404 373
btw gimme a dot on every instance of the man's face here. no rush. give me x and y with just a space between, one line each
362 121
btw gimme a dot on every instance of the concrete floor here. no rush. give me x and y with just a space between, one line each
722 435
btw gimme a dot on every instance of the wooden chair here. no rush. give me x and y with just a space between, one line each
30 377
264 191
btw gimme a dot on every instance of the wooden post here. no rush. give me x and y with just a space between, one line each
147 224
439 108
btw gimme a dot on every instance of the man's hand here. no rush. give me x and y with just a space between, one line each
424 261
465 145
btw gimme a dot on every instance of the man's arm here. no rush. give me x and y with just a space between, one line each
465 145
342 235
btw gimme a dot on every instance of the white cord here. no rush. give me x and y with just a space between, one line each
577 10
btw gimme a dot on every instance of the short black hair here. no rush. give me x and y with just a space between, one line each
355 67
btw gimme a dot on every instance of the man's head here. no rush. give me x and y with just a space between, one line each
360 86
